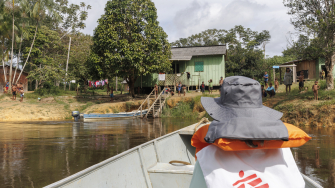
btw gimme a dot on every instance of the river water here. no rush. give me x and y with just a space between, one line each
40 153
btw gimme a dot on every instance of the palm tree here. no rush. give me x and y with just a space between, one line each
24 21
39 11
4 33
12 8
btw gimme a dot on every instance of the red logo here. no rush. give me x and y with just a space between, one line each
251 180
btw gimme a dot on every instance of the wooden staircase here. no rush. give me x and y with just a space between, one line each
155 108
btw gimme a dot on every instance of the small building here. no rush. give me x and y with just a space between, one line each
191 66
312 68
23 79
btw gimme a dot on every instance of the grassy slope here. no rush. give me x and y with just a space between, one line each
300 108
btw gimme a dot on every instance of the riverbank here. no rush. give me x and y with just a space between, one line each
299 108
51 108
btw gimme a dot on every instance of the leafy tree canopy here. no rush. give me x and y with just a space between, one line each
128 42
316 19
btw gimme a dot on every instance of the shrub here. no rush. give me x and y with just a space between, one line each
48 89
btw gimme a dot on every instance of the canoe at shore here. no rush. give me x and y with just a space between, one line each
90 117
146 165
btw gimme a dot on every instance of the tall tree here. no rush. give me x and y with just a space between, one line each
12 8
316 18
5 30
128 41
39 10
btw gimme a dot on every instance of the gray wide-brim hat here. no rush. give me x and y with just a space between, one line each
240 114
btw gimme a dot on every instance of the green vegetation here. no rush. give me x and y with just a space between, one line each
186 109
301 109
246 55
315 22
37 33
132 44
183 109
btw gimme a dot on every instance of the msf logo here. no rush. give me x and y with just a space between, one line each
250 182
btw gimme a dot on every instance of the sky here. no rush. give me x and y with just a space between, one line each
182 18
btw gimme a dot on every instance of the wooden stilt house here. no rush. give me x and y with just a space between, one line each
191 66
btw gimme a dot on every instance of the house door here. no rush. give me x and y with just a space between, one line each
175 68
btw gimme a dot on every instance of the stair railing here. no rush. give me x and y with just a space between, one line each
147 100
153 104
161 104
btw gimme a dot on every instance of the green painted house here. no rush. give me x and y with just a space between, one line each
190 66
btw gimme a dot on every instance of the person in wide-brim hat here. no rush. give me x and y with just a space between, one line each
240 114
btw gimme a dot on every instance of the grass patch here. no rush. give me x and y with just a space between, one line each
84 107
129 105
183 109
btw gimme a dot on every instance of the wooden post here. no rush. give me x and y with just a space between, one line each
67 63
280 81
153 110
148 103
274 75
141 111
160 105
116 84
294 74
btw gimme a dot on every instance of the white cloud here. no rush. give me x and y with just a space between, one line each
182 18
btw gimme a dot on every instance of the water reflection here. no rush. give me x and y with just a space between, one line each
37 154
316 158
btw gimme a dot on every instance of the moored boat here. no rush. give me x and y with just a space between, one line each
88 117
147 165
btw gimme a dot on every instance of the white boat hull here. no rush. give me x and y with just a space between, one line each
146 166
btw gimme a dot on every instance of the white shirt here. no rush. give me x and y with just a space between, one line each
259 168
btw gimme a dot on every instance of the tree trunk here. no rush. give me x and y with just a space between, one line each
329 67
11 61
31 47
85 86
67 63
18 59
131 83
4 70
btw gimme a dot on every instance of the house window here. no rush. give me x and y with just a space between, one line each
199 66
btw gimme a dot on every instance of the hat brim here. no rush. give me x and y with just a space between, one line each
261 123
222 113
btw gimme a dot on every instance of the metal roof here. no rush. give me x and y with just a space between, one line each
186 53
292 62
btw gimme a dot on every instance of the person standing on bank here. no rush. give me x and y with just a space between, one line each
266 79
203 87
220 82
323 74
210 88
156 91
14 89
288 79
179 88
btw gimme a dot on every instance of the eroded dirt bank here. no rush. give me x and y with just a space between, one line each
59 108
